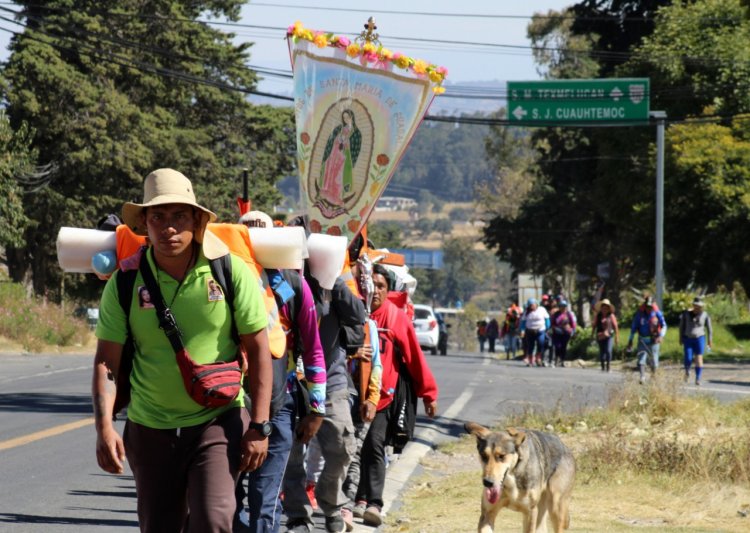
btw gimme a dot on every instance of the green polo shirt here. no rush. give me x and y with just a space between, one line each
158 396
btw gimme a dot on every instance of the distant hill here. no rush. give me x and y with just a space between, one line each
450 103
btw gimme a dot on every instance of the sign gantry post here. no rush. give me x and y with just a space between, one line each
660 117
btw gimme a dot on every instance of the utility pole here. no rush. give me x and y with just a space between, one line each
660 117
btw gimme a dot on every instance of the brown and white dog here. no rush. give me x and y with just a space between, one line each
528 471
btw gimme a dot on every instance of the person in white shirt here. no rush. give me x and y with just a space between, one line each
534 325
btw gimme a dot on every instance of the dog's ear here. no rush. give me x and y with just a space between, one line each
518 435
477 430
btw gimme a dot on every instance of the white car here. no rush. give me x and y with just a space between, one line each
426 326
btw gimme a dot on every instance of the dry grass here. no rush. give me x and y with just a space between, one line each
653 459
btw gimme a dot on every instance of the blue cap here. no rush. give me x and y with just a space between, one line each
530 302
563 303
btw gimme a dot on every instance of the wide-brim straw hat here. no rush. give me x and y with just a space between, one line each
165 186
605 301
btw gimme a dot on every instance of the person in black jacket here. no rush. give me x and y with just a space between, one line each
341 326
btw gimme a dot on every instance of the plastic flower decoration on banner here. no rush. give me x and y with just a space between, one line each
357 105
371 52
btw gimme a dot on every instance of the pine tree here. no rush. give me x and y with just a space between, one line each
114 90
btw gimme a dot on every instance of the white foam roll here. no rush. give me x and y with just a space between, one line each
279 247
327 254
75 246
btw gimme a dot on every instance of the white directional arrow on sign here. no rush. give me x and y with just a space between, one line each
519 113
616 94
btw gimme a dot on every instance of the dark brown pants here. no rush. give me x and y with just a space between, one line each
193 470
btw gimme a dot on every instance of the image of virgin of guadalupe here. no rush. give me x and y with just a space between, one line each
339 157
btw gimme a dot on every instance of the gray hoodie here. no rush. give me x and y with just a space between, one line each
694 326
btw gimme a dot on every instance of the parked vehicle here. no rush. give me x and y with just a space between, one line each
427 328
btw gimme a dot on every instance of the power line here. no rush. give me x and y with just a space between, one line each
129 63
562 16
479 94
599 54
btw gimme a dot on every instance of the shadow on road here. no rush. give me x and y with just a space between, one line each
728 382
445 426
46 403
13 518
116 494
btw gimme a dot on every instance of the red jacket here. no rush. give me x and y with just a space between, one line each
395 327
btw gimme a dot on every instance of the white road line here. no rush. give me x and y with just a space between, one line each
401 470
703 388
49 373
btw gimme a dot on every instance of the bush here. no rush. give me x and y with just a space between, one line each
465 334
725 306
36 324
582 345
657 430
728 307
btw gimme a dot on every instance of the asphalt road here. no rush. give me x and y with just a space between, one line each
49 479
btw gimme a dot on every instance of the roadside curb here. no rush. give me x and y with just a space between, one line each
399 472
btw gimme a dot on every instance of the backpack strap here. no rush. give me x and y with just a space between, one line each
285 294
125 283
293 278
221 268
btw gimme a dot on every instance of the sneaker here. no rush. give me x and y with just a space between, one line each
310 490
359 509
298 525
698 382
372 516
348 517
335 524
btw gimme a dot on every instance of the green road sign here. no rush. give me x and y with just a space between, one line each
578 101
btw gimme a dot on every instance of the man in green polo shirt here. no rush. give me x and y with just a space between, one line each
183 456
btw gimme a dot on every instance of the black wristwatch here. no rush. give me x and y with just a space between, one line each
264 428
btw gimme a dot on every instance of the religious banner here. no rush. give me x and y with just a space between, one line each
357 106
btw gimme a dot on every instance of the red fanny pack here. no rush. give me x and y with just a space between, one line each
212 385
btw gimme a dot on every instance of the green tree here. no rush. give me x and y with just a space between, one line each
429 286
385 234
446 160
707 199
465 269
114 90
424 226
698 56
593 196
542 218
612 28
15 165
444 226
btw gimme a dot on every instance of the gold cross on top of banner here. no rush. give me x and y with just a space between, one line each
369 35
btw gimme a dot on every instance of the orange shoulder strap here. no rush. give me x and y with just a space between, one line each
237 239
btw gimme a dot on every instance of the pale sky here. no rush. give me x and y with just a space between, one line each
464 62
